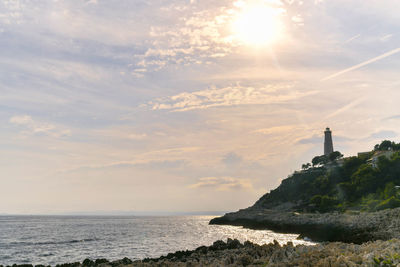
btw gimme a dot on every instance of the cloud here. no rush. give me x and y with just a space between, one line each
10 12
199 34
277 129
395 117
232 159
137 136
91 2
134 164
195 37
384 134
315 139
32 127
319 139
223 183
21 120
229 96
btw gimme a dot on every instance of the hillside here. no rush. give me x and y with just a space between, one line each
366 182
351 199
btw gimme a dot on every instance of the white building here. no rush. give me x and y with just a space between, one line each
374 159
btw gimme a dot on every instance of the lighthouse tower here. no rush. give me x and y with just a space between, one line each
328 145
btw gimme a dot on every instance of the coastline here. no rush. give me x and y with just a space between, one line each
333 227
234 253
348 239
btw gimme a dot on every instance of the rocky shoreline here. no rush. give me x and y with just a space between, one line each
366 239
233 253
353 227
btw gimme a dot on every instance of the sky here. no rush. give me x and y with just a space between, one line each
133 105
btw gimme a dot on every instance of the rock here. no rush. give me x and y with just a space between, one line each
100 261
231 253
344 227
88 263
231 244
218 245
245 260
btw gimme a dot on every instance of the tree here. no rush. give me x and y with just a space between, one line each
319 160
306 166
322 160
385 145
324 203
365 180
350 165
335 155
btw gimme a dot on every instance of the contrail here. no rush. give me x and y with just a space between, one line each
392 52
352 38
346 107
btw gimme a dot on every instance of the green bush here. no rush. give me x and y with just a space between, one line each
390 203
370 205
324 203
389 191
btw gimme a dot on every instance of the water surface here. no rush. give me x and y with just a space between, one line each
60 239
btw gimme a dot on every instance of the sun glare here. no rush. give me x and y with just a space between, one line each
258 25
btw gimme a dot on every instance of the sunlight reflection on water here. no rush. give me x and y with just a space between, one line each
60 239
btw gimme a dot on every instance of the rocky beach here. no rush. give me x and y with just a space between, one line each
234 253
348 239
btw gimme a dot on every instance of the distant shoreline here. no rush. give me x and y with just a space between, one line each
122 214
145 213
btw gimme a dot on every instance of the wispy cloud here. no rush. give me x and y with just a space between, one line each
223 183
395 117
315 139
318 139
134 164
372 60
10 12
384 134
232 159
276 129
229 96
200 35
33 127
197 37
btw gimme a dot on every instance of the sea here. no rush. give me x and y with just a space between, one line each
52 240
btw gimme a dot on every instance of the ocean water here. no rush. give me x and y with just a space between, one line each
60 239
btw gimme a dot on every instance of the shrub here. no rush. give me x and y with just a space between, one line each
324 203
389 204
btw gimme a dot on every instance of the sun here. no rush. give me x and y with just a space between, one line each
258 25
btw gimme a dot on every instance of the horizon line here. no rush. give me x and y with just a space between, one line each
118 213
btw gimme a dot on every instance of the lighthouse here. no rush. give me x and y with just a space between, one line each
328 144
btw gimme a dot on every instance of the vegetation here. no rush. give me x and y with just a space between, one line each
367 182
387 260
